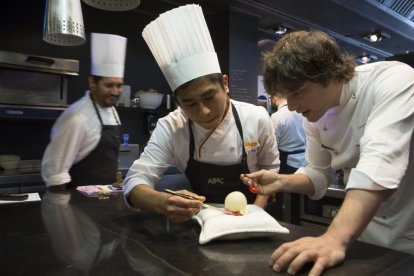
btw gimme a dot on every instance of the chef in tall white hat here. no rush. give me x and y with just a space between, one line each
85 139
209 138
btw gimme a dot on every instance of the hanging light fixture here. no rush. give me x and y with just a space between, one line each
63 23
113 5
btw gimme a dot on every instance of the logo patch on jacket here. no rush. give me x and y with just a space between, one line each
251 146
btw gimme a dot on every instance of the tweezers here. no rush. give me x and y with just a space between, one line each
204 205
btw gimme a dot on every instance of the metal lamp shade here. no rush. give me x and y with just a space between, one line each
113 5
63 23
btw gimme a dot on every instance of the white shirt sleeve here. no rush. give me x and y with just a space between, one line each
268 153
66 140
385 138
318 159
74 135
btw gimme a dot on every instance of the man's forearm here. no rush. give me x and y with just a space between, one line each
146 198
357 210
296 183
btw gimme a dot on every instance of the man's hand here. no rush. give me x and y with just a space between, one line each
179 209
328 250
269 182
266 182
323 251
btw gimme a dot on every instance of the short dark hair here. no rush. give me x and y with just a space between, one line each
305 56
215 77
96 78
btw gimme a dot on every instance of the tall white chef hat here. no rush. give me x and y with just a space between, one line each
108 55
181 44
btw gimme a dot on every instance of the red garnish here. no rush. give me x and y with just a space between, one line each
234 213
252 188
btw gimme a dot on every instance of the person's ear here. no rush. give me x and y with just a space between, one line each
92 84
176 99
226 83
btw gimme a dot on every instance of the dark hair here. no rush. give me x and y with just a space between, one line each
305 56
216 77
96 78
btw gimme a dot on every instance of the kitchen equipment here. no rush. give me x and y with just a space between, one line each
125 98
44 86
125 137
9 162
204 205
14 197
151 119
149 99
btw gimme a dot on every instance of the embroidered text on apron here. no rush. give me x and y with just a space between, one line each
213 181
101 165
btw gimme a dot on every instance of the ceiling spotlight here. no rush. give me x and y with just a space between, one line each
366 58
280 29
376 36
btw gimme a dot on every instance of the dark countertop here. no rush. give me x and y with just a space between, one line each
70 234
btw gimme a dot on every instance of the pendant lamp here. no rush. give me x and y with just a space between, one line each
113 5
63 23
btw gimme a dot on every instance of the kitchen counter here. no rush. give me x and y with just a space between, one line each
69 234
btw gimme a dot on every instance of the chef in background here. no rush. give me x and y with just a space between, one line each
85 139
291 141
359 119
210 138
290 135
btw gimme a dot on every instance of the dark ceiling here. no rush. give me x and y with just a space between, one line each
346 20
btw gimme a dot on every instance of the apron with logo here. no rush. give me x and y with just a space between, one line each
213 181
101 165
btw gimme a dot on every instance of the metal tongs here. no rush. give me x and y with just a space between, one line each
204 205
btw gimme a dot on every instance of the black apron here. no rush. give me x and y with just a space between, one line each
213 181
275 204
283 156
101 165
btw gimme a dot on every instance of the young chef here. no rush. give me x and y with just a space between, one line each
359 119
85 139
210 138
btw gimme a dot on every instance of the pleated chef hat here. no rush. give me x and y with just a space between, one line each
108 55
181 44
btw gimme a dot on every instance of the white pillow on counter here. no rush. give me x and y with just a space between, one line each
216 224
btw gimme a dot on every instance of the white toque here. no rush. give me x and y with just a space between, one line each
108 55
180 41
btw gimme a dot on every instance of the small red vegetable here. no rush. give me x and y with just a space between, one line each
252 188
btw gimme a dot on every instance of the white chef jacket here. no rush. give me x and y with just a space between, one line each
290 135
368 136
74 135
169 144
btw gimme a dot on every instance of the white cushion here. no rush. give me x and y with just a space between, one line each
216 224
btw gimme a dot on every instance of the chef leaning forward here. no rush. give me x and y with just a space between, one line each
85 139
210 138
